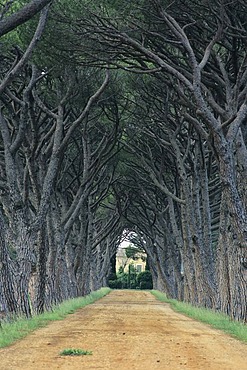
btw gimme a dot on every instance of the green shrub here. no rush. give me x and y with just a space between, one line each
112 276
115 284
146 285
131 279
144 280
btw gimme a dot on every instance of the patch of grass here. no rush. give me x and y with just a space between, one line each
215 319
75 352
12 331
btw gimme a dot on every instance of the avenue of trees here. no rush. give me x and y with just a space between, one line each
122 117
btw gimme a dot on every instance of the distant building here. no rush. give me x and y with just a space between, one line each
139 262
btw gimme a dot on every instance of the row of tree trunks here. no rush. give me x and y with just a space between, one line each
33 147
232 290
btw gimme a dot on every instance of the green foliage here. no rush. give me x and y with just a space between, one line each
124 280
12 331
68 35
54 45
9 7
144 279
115 283
131 279
132 252
216 319
75 352
14 38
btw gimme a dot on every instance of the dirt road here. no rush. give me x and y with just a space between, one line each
126 330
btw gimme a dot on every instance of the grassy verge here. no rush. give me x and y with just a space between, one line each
10 332
215 319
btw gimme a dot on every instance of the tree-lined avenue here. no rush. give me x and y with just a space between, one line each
127 330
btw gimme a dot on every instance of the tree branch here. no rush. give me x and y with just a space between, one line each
22 15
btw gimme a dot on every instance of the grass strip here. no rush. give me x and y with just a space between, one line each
12 331
215 319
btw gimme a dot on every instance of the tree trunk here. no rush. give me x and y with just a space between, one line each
5 273
41 271
86 237
237 226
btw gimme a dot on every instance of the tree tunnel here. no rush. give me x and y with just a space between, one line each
124 121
